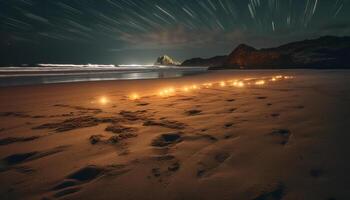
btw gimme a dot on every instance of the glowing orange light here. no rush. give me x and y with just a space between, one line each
185 89
207 85
261 82
103 100
134 96
194 87
279 77
240 84
167 92
171 90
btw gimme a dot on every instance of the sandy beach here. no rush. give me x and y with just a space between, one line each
245 135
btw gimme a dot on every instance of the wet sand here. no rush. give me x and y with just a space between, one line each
279 135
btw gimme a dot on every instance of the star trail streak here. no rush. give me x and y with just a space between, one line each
107 30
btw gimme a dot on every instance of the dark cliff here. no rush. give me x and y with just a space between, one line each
328 52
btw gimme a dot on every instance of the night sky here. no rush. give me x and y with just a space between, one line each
138 31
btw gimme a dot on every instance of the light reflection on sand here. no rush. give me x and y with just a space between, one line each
134 96
171 91
103 100
236 83
260 82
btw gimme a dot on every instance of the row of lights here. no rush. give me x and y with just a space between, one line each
234 83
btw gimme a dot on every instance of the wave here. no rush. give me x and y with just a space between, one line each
44 70
74 65
80 67
17 75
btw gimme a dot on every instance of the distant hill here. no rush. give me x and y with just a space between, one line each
166 60
210 62
322 53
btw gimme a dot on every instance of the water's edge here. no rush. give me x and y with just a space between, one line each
26 78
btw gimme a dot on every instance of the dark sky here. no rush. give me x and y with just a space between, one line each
138 31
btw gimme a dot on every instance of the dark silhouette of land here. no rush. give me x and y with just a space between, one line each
328 52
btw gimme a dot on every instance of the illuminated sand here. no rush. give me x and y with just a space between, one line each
222 135
171 91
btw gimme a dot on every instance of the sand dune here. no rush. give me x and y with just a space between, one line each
196 137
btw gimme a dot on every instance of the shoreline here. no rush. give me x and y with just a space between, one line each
239 71
34 78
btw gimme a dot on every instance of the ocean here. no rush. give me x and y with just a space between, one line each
48 74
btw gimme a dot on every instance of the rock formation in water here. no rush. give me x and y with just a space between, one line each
166 60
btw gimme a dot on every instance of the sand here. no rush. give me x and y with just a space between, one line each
163 139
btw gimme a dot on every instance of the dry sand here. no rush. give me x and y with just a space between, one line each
287 139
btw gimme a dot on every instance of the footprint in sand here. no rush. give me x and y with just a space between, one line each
20 114
167 139
207 165
120 129
80 108
10 140
228 125
120 133
94 139
156 172
15 159
74 182
168 164
14 114
165 170
70 124
173 167
71 184
121 137
283 135
193 112
78 122
228 136
275 194
231 110
134 115
261 97
165 123
275 115
143 104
